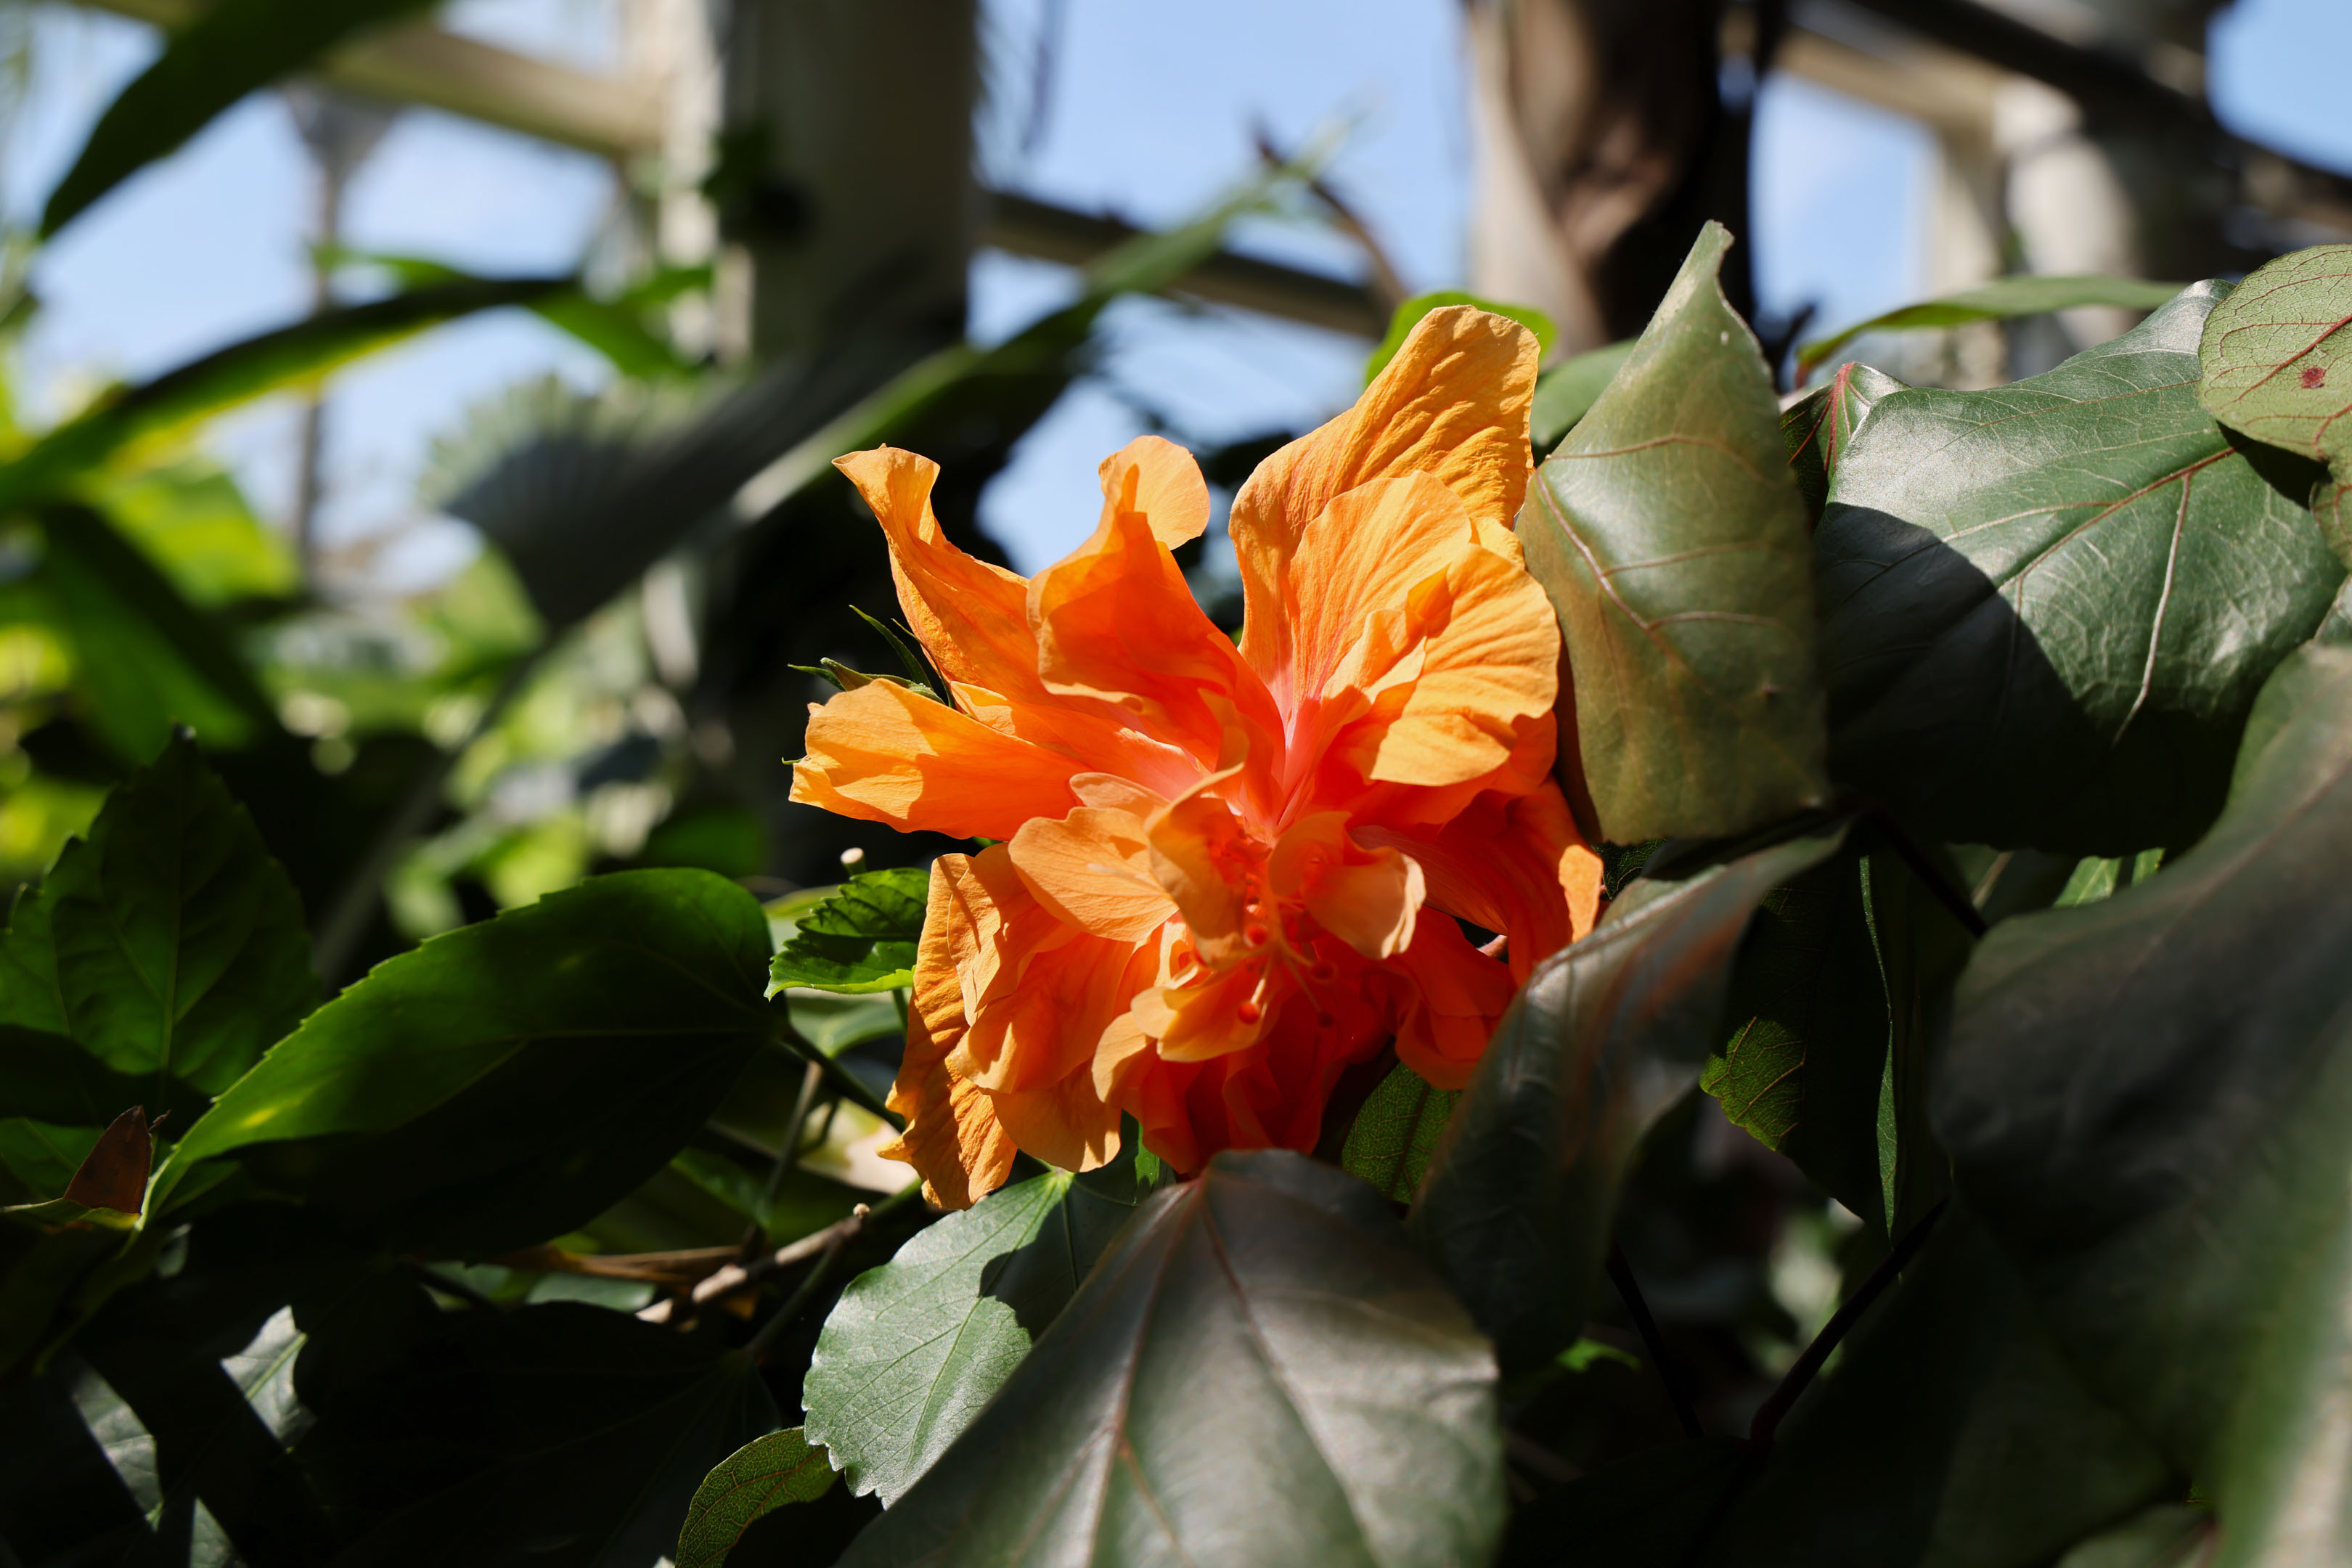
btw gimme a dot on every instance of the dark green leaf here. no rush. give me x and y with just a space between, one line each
1256 1372
1396 1131
1407 316
2003 299
1566 393
508 1080
1672 542
1821 427
763 1475
231 49
289 356
914 1348
2276 363
863 938
1806 1057
2145 1099
1948 1434
144 658
168 945
1520 1198
2047 607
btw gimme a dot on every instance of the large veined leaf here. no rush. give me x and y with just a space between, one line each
1948 1434
914 1348
2276 363
1820 426
168 944
508 1080
2046 607
1257 1372
2145 1096
1517 1204
232 48
1396 1131
862 939
2003 299
1670 538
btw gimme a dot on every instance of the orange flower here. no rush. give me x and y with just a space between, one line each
1226 873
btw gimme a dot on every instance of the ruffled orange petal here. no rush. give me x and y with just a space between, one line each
1093 870
1452 404
953 1136
1118 629
1457 995
971 617
883 753
1517 865
1155 478
1367 898
1418 650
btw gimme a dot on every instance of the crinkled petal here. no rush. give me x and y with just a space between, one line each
1092 868
1452 404
1367 898
884 753
1157 480
1517 865
1457 996
953 1137
971 617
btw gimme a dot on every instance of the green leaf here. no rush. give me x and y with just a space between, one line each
1806 1056
2276 363
144 658
1256 1372
1948 1434
914 1349
289 356
1396 1131
2144 1098
1821 427
2003 299
508 1081
168 945
862 939
1672 542
1566 393
613 327
763 1475
2048 606
1517 1207
231 49
1407 316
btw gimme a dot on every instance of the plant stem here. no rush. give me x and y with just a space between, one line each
840 1236
1800 1376
1961 906
1670 1372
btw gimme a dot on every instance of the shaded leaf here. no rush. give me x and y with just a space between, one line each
1517 1207
2177 1535
1647 1511
2047 607
506 1082
2003 299
1672 542
113 1174
1205 1399
2144 1098
231 49
1820 426
168 944
914 1349
1566 393
2276 363
1396 1131
862 939
1948 1434
763 1475
1407 316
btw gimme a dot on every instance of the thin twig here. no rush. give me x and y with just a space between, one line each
1670 1372
1953 900
1800 1376
787 1156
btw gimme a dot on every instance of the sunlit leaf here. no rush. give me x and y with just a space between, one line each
1672 541
1821 426
1395 1132
862 939
763 1475
1566 393
2276 363
2003 299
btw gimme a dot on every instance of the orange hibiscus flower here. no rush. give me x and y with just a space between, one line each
1226 873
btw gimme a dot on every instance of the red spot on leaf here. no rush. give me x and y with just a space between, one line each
2313 375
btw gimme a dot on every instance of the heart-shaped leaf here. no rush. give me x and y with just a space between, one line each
1258 1371
1670 538
2145 1099
2046 607
2276 363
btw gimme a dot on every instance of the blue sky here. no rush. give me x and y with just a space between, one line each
1151 113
